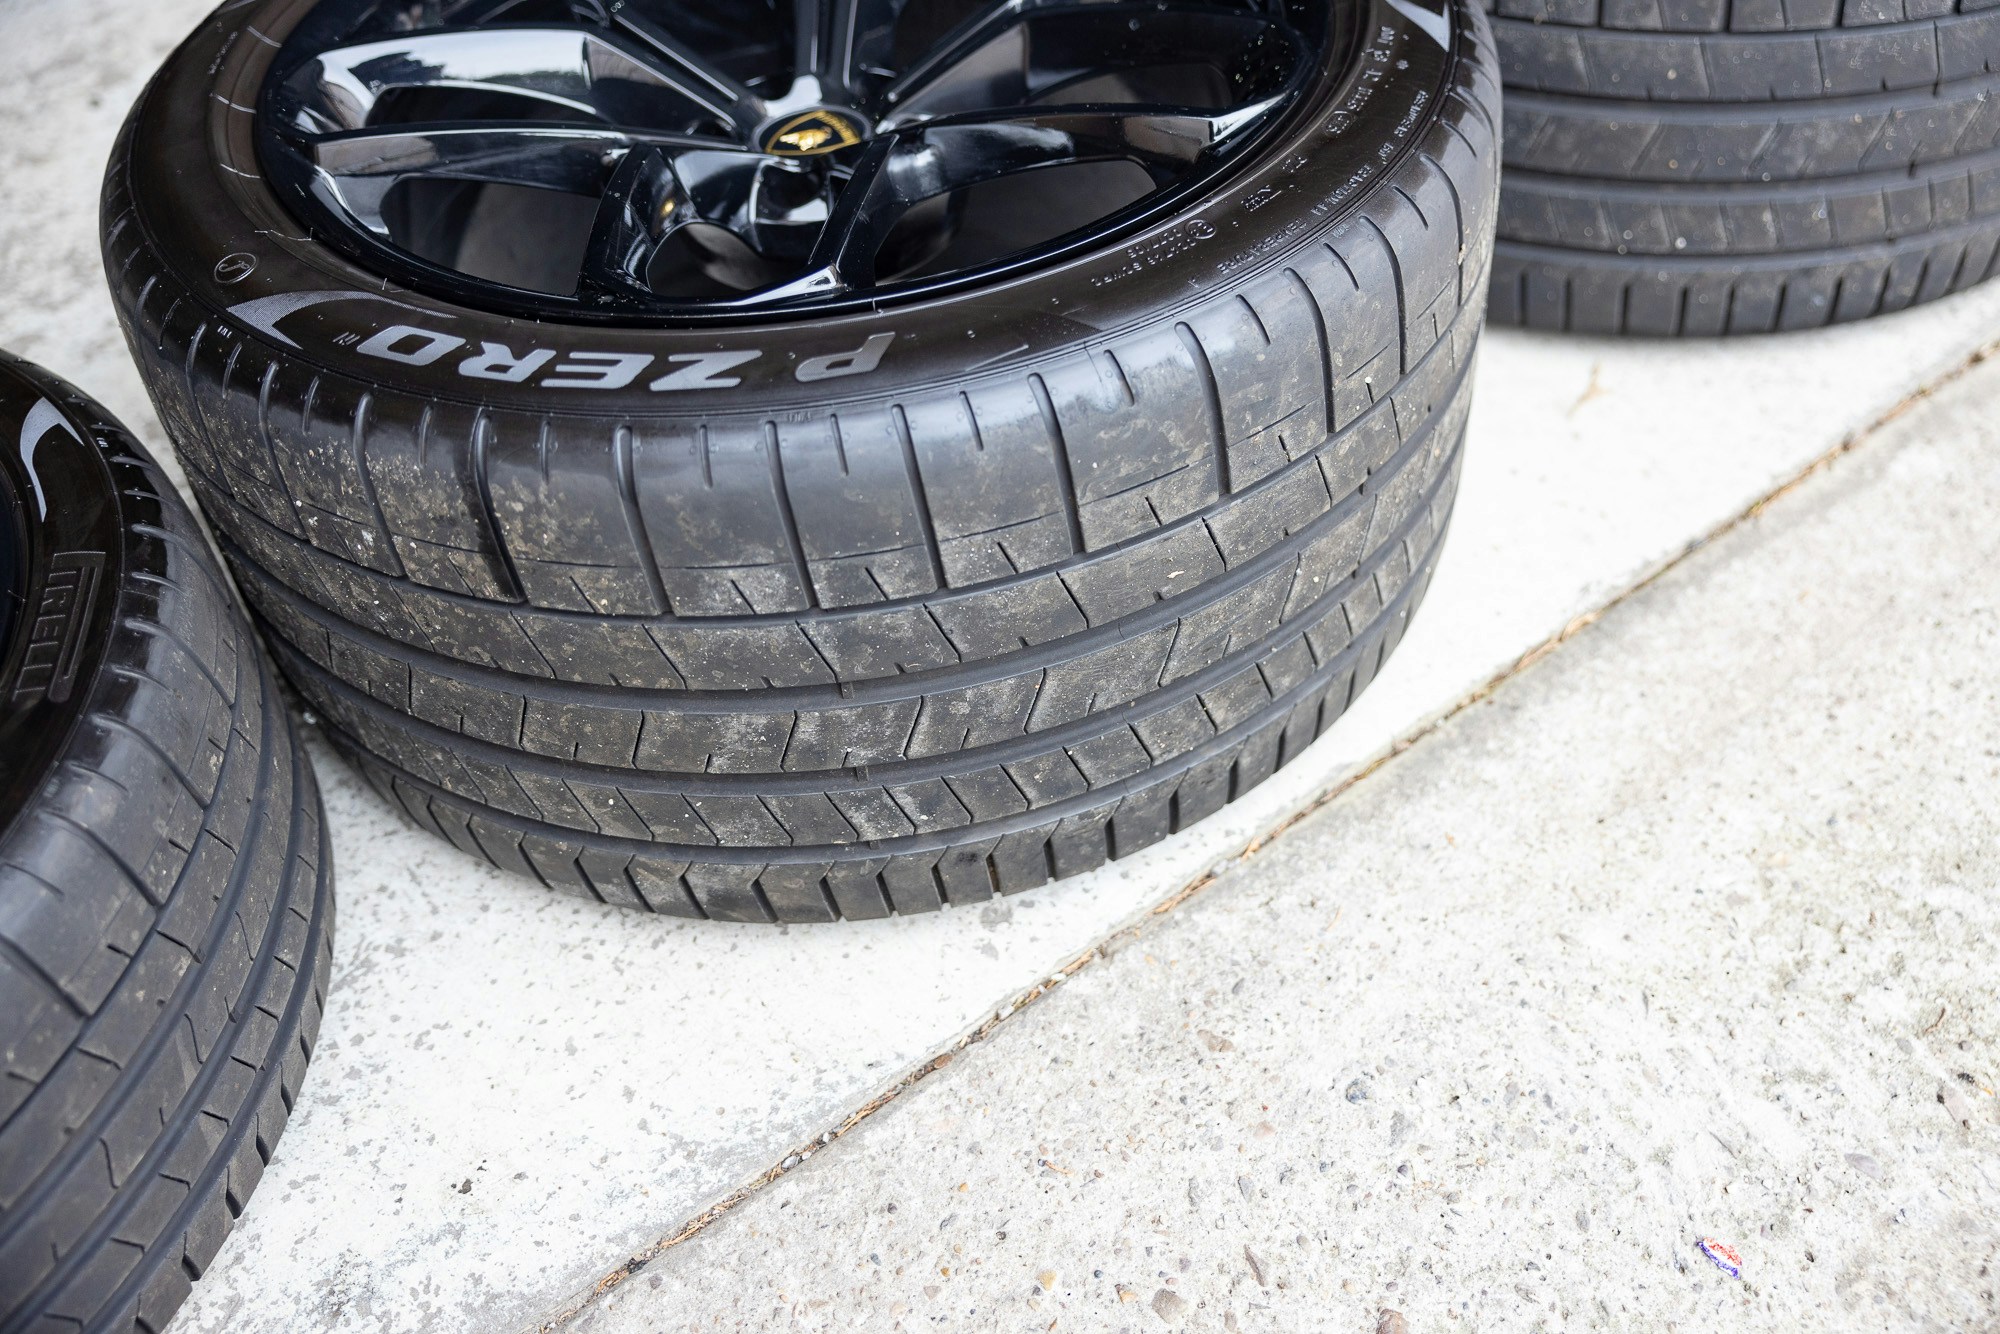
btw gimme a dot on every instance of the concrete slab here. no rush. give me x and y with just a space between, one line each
612 1075
1689 931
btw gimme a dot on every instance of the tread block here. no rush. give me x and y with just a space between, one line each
893 641
856 509
727 657
1265 352
1136 428
1422 207
729 893
698 743
1183 561
713 505
427 485
1288 505
225 410
316 431
799 893
1036 611
1354 274
950 721
858 891
994 485
558 488
1083 686
603 653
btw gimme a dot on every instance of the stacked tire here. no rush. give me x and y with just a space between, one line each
166 908
905 608
1740 166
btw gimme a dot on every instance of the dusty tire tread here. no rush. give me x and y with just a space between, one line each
1572 292
877 804
1793 141
1804 218
1734 16
823 654
871 881
881 720
1748 69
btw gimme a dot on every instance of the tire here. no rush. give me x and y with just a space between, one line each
1620 143
1012 581
165 887
1716 168
1776 219
1593 257
1573 292
1733 16
1804 61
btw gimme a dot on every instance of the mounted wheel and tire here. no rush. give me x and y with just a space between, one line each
784 462
166 906
1708 167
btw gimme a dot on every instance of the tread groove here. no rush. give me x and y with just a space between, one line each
787 518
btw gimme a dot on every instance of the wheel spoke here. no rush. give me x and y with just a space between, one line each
948 60
775 207
682 66
576 69
805 89
845 253
959 151
826 39
362 167
643 205
1017 53
839 70
473 11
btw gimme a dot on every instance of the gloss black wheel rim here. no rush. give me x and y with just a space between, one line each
657 160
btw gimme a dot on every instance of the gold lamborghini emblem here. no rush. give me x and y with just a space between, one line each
811 133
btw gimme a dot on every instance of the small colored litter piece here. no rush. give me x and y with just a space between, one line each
1725 1256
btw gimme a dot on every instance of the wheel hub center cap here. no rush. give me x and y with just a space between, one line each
813 133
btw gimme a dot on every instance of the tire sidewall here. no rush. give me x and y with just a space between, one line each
199 196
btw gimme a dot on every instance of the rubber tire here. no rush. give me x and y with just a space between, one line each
1088 490
1685 143
166 907
1803 62
1710 167
1792 217
1592 256
1739 16
1568 291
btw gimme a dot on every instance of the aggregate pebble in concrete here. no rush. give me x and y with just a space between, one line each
1689 932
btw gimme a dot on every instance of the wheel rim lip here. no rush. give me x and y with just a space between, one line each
291 175
13 566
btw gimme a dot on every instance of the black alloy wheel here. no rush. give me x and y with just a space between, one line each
648 159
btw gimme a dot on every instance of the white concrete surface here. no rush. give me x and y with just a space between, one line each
1690 930
514 1093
